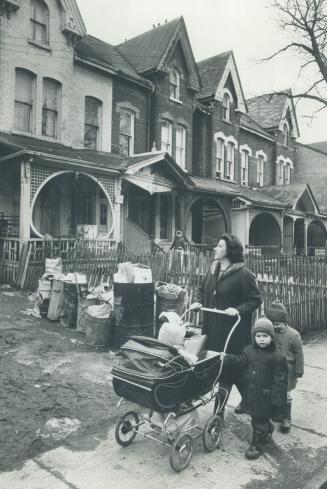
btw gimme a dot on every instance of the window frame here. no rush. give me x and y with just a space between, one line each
227 107
169 125
175 85
90 125
285 134
280 167
54 111
34 22
230 164
180 127
31 104
220 158
260 169
129 137
245 153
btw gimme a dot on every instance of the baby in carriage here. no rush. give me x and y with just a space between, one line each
173 331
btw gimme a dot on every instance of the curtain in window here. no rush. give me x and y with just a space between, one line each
39 21
91 128
50 107
24 100
125 133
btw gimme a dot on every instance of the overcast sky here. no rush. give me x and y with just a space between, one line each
248 27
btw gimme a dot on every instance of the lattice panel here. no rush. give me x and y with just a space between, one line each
38 175
109 185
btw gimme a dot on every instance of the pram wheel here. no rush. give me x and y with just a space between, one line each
212 433
181 452
127 428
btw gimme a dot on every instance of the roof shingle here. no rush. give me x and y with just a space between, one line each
211 71
267 110
146 50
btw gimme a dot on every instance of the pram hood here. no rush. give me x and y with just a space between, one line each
149 358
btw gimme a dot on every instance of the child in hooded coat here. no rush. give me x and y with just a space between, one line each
288 342
263 376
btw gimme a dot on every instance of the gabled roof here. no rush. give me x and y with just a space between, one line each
291 194
211 72
320 146
214 72
151 50
270 109
92 49
248 123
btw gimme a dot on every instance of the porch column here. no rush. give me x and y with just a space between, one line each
173 215
118 210
293 236
25 193
157 216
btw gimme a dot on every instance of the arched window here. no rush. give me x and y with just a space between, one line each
50 107
285 134
166 136
126 133
92 123
220 151
24 100
174 84
39 21
227 107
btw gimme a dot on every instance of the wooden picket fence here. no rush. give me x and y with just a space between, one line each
299 282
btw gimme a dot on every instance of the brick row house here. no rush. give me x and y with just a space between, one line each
128 142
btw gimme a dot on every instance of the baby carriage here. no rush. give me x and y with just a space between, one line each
157 377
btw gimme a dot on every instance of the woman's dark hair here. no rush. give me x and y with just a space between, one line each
234 248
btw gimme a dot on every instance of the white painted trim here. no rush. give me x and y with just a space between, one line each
53 175
289 105
227 92
231 139
245 147
261 153
220 135
231 68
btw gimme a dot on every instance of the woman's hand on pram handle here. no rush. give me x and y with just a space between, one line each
222 355
231 311
196 306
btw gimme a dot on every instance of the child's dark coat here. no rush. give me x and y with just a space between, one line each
263 376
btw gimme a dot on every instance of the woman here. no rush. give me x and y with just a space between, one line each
231 287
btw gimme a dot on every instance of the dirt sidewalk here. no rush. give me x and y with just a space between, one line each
58 411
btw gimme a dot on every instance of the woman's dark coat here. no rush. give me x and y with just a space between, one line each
263 377
235 287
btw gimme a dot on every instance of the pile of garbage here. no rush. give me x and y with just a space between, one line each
133 273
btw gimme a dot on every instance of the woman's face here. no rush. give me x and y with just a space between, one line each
220 250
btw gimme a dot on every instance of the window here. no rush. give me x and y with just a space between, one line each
260 167
244 167
24 100
280 172
285 134
50 107
92 125
126 133
39 22
166 137
226 107
230 161
174 84
220 150
287 180
180 146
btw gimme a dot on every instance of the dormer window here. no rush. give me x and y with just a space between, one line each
39 22
285 134
227 107
174 85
